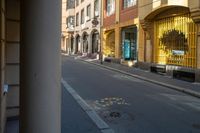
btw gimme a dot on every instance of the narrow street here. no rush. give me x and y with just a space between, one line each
130 105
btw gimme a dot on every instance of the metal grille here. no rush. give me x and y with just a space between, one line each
176 41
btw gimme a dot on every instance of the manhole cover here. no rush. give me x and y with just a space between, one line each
115 114
197 126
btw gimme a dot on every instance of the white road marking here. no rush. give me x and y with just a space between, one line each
125 77
103 126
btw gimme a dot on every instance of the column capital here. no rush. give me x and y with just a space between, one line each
195 14
147 26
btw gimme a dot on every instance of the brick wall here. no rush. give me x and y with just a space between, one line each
107 20
128 13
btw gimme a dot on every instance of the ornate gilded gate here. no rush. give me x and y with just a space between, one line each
176 41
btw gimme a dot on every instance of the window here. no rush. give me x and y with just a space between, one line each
82 16
129 3
70 22
96 8
70 4
88 12
77 2
110 7
77 19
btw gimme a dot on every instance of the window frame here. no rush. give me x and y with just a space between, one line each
77 19
110 11
126 4
77 3
96 7
88 13
82 16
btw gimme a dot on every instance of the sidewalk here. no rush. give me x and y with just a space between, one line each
12 125
74 119
179 85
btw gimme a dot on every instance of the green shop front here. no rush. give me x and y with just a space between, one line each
129 43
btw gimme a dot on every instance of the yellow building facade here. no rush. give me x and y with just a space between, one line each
169 37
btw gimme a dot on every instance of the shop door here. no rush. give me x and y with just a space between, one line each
129 41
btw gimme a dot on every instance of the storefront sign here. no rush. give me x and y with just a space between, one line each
178 52
127 52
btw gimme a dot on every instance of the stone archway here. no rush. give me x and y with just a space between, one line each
71 44
85 42
109 48
95 48
77 44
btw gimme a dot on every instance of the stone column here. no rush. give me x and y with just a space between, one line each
40 68
75 46
197 76
65 44
68 43
118 42
90 43
198 46
195 14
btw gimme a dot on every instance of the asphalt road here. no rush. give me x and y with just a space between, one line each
130 105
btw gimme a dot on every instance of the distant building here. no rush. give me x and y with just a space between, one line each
67 25
169 40
83 28
120 30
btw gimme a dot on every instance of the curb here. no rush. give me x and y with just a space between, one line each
180 89
100 123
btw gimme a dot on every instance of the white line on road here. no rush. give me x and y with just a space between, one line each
103 126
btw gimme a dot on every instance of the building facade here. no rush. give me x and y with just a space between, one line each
86 34
120 29
68 18
64 31
169 37
9 60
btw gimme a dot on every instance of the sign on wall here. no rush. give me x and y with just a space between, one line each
178 52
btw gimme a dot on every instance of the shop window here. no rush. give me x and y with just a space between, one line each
129 43
176 41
